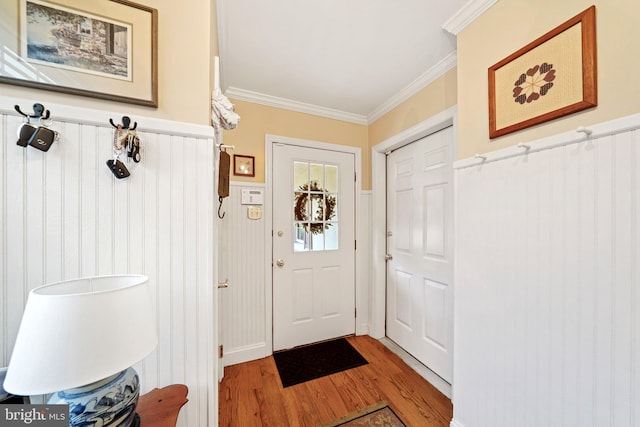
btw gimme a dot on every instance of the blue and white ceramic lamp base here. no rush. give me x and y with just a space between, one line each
109 402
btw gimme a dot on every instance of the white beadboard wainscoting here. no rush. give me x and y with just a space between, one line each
245 306
63 215
242 261
547 330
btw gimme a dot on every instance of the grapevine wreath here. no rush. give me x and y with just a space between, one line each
325 211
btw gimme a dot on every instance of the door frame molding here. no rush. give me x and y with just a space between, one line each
433 124
270 140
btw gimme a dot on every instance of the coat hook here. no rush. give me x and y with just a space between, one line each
37 134
483 158
39 112
527 147
126 122
584 130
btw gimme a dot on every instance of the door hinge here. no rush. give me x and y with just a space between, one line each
221 351
355 177
355 312
355 245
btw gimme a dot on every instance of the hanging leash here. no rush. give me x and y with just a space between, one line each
116 167
223 179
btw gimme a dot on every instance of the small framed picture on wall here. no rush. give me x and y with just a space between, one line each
243 165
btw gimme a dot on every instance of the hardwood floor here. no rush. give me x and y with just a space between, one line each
251 393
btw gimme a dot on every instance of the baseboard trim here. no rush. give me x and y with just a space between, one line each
426 373
362 328
455 423
245 354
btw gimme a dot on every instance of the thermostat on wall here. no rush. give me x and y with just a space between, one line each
254 196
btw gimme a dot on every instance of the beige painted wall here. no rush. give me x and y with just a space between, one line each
433 99
257 120
511 24
186 40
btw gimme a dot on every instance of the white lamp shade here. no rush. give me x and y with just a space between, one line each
80 331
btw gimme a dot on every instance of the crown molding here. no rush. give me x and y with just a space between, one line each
438 70
466 15
287 104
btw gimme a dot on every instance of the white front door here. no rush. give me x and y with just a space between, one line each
313 245
420 242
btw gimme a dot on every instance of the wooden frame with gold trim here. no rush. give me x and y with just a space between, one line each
149 84
589 96
237 171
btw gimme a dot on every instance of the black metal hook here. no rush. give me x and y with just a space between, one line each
39 112
221 199
126 121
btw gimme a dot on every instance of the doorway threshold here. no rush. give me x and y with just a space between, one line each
426 373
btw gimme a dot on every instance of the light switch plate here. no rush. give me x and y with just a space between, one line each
254 212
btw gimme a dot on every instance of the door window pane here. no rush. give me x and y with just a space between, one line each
315 207
331 178
317 240
299 237
317 174
301 206
300 174
331 206
331 236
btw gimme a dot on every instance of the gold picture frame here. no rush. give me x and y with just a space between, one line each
104 49
553 76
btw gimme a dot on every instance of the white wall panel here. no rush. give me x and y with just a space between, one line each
546 330
63 215
243 303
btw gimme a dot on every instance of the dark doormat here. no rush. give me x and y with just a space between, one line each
306 363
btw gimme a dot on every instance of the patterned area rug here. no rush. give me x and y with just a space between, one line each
317 360
378 415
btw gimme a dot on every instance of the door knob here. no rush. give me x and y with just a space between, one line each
280 262
388 257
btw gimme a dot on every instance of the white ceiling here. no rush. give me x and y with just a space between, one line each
346 57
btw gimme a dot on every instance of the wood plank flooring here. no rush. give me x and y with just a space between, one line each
251 393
